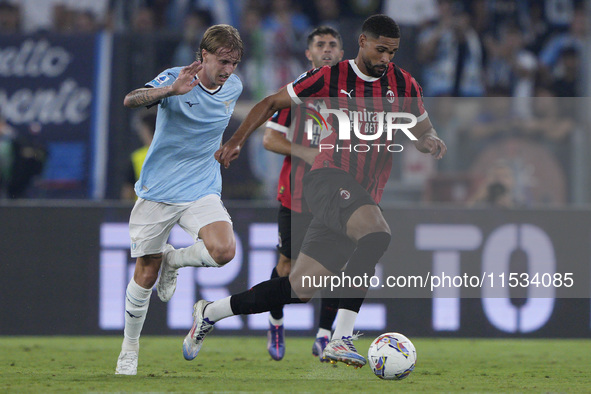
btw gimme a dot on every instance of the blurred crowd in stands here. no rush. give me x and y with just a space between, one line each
465 48
528 50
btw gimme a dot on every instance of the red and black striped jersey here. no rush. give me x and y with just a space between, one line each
290 185
395 91
281 122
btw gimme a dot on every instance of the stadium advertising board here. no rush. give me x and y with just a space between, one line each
72 273
49 91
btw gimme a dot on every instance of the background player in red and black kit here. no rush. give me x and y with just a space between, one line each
325 48
342 189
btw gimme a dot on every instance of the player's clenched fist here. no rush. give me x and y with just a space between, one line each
431 144
228 153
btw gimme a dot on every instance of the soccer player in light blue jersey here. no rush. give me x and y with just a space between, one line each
180 181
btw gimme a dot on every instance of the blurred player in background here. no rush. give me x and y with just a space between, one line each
180 181
325 48
348 225
145 130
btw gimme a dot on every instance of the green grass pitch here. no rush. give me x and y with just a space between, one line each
87 364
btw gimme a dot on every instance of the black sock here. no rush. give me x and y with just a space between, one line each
329 307
276 313
353 303
263 297
362 264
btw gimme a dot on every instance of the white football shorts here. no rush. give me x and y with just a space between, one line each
150 222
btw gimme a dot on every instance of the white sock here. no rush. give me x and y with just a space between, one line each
323 332
195 255
345 324
275 322
137 300
218 310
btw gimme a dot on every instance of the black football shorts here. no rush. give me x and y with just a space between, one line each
292 228
333 196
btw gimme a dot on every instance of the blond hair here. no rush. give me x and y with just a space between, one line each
221 36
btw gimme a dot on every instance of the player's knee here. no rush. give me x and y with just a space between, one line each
303 292
283 270
283 266
223 253
146 271
374 228
304 295
365 221
146 280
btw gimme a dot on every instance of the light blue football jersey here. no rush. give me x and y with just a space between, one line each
180 166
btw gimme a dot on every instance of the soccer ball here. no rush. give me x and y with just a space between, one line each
392 356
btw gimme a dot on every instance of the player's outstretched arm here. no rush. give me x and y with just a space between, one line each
186 81
275 141
427 139
255 118
305 153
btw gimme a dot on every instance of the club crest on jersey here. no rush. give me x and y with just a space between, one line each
345 194
228 103
390 96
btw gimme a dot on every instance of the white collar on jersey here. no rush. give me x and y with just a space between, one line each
211 91
359 73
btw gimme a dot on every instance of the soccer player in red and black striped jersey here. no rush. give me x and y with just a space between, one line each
325 48
342 189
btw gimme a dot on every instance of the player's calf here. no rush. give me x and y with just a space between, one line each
146 270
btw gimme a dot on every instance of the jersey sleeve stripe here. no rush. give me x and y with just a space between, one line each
423 116
277 126
293 94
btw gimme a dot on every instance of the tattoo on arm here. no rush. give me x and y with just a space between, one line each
145 96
